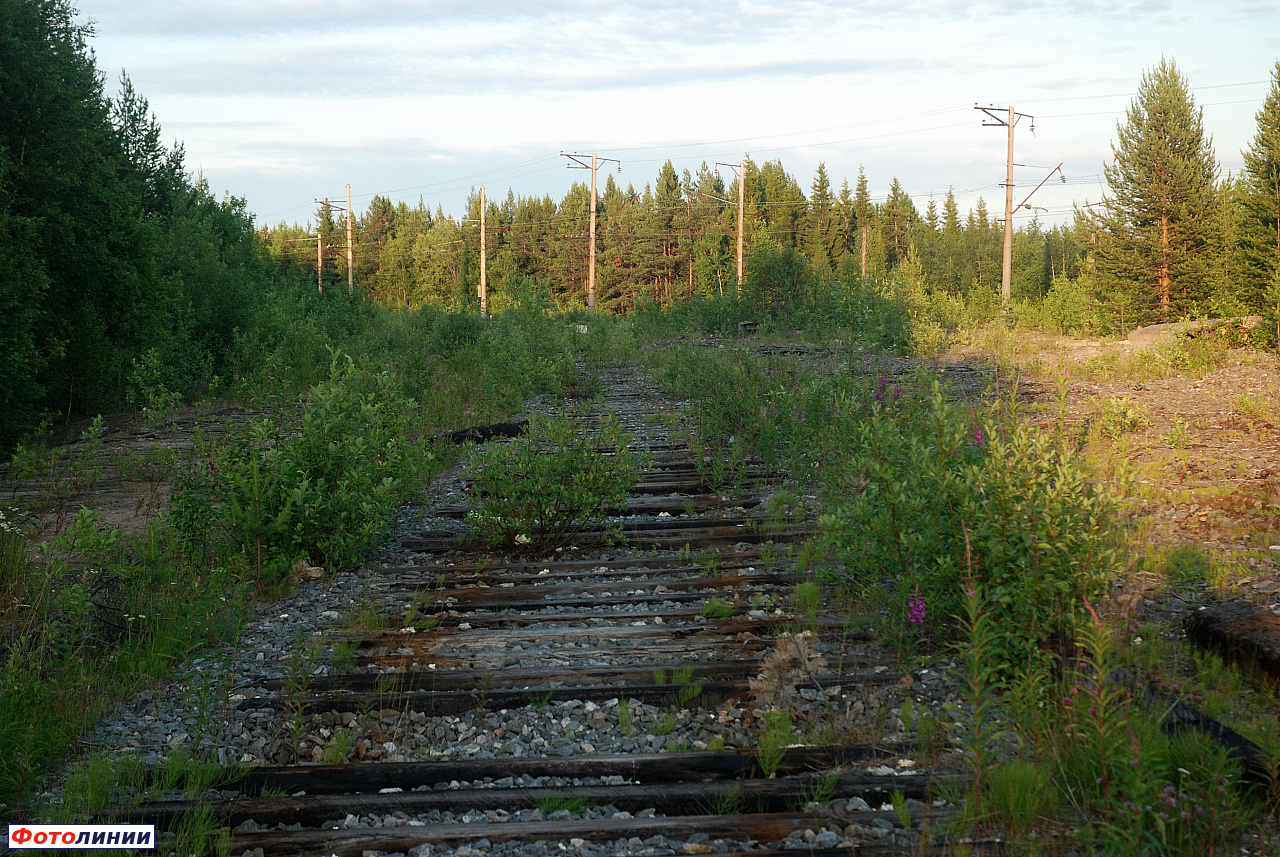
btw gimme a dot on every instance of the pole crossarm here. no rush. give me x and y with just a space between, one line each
1058 170
1001 121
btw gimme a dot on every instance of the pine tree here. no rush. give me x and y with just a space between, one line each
1160 238
1259 228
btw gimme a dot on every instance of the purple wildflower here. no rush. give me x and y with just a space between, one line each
977 437
916 611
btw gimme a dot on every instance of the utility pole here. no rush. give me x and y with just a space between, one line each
351 252
484 286
741 168
1009 122
742 191
578 163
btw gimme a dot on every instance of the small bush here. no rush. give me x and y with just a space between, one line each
323 482
544 487
1020 793
1118 416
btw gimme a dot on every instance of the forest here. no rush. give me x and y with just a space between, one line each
1175 239
131 285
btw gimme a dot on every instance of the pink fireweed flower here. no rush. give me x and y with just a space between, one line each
977 437
916 611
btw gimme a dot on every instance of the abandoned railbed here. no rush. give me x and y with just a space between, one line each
615 698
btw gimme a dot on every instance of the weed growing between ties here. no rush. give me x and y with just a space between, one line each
545 487
963 530
903 472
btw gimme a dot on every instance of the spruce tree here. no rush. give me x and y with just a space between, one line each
1160 240
1259 188
821 229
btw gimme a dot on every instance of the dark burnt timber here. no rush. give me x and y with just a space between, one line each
458 679
353 843
1241 632
707 694
776 795
475 596
659 536
644 768
646 505
484 434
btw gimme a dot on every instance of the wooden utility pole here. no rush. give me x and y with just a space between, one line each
742 191
1007 121
741 167
591 258
578 162
1006 274
484 286
351 251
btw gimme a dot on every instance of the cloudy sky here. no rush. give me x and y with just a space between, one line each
284 102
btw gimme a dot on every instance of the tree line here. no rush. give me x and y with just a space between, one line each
129 284
1174 237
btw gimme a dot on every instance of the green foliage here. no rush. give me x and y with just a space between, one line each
323 482
335 751
124 278
717 608
930 491
808 598
1160 238
13 550
1140 791
563 803
1189 564
625 717
101 612
1114 417
542 488
1179 437
664 724
771 747
1260 207
1020 794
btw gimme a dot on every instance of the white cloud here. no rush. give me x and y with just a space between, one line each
290 100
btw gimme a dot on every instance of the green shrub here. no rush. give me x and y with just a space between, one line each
1117 416
323 482
544 487
930 493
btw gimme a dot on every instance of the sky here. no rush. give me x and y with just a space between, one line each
283 103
